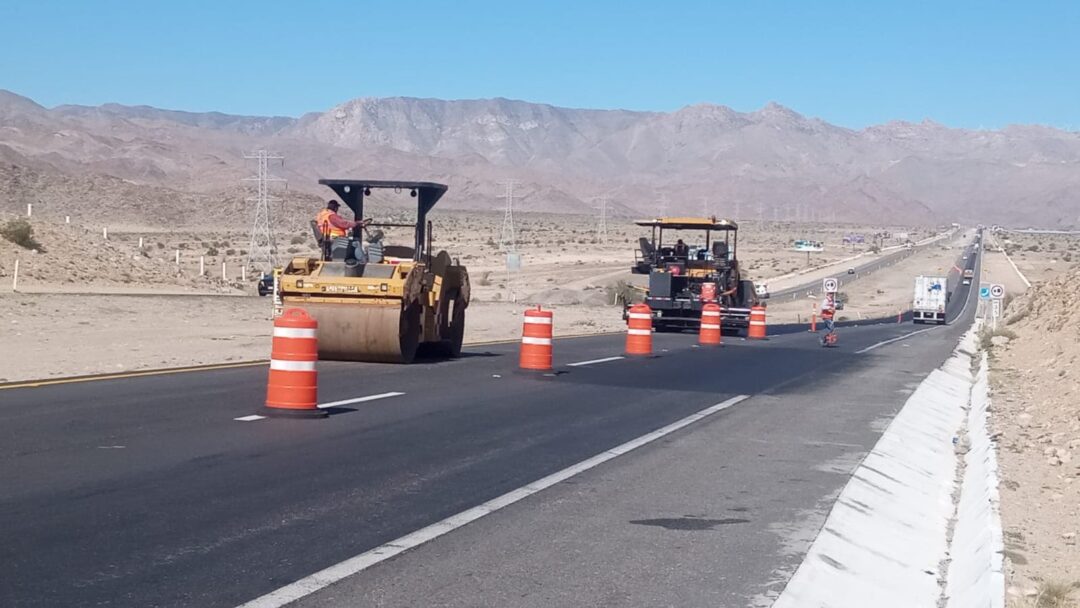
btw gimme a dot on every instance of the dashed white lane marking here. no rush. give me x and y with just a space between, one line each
251 418
324 578
360 399
591 361
897 339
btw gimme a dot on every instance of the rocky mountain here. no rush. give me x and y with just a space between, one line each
768 163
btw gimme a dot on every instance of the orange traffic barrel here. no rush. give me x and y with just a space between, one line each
639 330
756 331
536 340
708 292
709 334
293 388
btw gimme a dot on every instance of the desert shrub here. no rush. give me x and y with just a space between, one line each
1033 248
20 232
230 252
485 279
160 245
296 240
293 250
211 251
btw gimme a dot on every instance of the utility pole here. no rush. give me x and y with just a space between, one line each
705 206
663 205
261 248
760 211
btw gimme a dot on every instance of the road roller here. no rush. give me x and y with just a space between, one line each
374 300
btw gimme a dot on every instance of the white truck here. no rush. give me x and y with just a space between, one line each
931 299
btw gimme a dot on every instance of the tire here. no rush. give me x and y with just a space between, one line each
409 333
451 346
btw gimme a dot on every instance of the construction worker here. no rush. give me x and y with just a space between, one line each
828 312
333 225
681 250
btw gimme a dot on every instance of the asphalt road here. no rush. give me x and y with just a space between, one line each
148 492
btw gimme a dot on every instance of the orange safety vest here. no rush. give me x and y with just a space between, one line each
827 312
322 220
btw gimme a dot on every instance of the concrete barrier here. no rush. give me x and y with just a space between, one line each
976 577
885 539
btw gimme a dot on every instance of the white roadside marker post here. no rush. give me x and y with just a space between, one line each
29 209
67 219
177 257
140 242
223 277
202 265
105 232
243 274
15 277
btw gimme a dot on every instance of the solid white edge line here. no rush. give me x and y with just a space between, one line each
590 362
897 339
354 565
251 418
360 399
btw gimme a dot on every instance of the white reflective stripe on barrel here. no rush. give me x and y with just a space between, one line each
540 341
639 332
709 326
292 366
710 313
639 315
293 332
538 320
757 323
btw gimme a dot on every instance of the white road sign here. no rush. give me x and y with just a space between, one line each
830 285
995 308
997 291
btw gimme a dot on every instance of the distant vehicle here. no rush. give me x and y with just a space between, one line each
851 271
931 297
265 285
965 257
969 274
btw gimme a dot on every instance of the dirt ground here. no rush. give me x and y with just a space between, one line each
1036 416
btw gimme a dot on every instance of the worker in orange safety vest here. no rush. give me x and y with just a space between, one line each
333 225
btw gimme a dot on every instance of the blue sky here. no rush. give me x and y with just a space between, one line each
970 64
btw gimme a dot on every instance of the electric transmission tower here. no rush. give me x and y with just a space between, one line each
705 206
261 249
663 205
508 240
601 228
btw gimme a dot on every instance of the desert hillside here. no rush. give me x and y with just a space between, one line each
770 164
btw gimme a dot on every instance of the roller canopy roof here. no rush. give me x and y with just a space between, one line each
689 223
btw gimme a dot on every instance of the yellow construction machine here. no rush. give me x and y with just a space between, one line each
377 301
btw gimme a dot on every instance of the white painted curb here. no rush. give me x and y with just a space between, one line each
885 539
976 577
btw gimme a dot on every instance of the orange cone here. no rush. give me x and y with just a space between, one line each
756 331
709 334
639 330
536 340
293 387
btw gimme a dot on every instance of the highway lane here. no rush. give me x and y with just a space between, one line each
146 491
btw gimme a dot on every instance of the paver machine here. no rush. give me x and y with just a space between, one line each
376 301
691 261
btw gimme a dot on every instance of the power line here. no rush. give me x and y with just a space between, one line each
261 248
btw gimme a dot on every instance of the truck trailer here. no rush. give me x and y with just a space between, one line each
931 299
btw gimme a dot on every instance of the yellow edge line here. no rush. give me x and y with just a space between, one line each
215 366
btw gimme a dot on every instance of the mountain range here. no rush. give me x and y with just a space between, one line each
140 162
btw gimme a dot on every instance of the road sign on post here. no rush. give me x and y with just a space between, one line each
830 285
997 291
984 292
